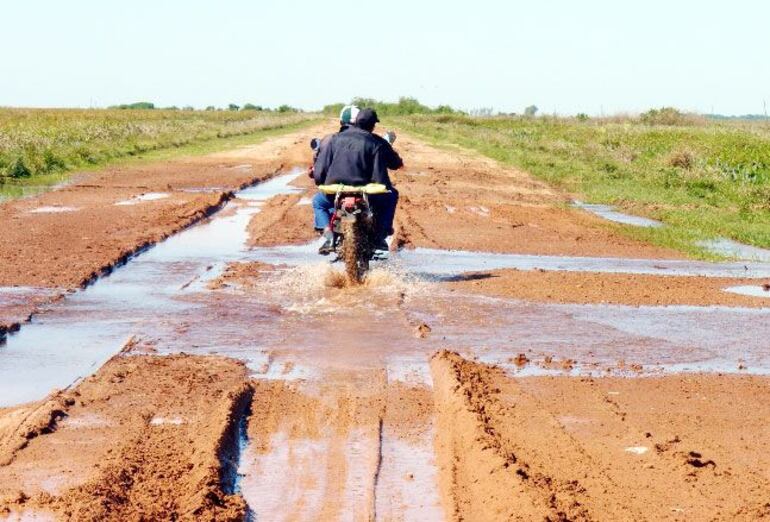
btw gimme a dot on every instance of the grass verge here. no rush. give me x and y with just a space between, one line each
702 179
42 147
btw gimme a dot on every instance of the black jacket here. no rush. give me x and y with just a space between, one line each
393 161
354 157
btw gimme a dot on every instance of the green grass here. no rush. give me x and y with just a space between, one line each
703 179
40 147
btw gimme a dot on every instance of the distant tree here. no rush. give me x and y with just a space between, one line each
188 108
211 108
530 111
444 109
233 107
333 109
405 106
137 105
251 107
287 108
172 108
582 116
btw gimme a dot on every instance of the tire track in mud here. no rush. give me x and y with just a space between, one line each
321 445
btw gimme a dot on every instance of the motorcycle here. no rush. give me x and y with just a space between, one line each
352 222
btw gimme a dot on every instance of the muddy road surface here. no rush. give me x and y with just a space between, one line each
174 349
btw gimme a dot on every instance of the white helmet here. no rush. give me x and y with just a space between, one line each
348 114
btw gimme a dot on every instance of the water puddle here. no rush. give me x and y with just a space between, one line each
71 339
730 248
441 264
407 486
149 196
750 290
27 515
609 213
437 265
289 478
52 210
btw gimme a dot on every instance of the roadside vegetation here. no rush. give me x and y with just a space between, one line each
704 178
405 106
39 146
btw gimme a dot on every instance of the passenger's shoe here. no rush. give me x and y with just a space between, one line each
328 246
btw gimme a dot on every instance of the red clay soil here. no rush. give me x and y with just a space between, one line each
283 220
143 439
83 233
454 199
598 288
459 200
68 249
560 448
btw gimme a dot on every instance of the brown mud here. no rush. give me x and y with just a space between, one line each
597 288
65 238
142 439
337 420
670 448
453 199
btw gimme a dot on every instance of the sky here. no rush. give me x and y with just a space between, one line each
565 57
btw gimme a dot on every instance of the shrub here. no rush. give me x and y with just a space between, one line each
670 116
681 158
251 107
18 169
531 111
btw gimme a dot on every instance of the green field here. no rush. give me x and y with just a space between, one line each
703 178
38 147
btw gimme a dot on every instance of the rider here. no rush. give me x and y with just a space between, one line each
357 157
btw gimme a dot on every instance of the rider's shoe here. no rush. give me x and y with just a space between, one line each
381 244
328 246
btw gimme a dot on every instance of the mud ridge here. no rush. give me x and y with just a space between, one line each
230 444
482 475
192 220
40 420
129 254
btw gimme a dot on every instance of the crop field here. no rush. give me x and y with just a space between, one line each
702 178
39 146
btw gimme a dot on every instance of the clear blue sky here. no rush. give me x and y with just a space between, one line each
564 56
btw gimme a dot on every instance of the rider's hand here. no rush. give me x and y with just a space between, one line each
390 137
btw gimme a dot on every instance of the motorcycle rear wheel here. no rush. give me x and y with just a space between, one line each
355 250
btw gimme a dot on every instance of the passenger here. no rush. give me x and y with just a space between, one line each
348 116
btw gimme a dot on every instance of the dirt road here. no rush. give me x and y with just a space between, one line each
514 359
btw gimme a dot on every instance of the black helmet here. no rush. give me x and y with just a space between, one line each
367 119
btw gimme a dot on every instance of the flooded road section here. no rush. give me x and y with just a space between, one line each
348 362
